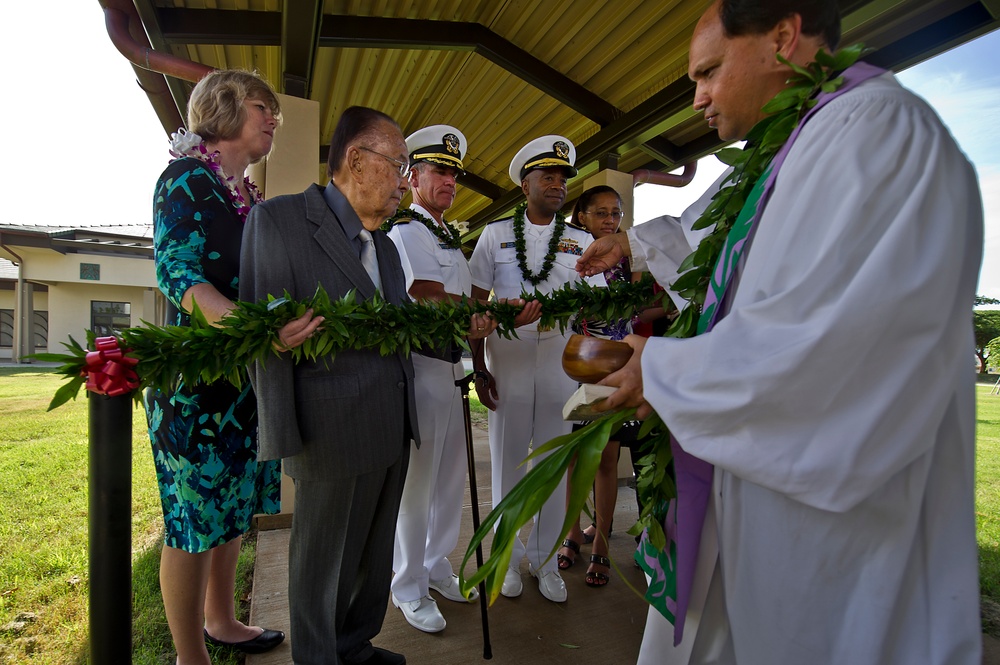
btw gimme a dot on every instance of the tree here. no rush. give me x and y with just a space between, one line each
993 348
987 327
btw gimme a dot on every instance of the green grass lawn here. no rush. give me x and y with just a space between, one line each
43 530
43 527
988 503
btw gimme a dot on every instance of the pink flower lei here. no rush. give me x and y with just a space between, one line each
188 144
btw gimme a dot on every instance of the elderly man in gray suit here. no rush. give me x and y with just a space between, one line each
342 428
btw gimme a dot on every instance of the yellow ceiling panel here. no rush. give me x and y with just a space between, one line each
610 75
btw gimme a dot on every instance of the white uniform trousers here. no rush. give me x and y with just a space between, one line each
430 511
533 389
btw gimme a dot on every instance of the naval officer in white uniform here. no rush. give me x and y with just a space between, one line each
431 505
534 249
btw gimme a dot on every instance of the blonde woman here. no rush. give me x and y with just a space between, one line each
204 437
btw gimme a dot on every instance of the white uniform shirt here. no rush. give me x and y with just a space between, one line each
494 261
428 258
836 399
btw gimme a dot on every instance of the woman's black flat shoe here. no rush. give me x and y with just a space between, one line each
263 642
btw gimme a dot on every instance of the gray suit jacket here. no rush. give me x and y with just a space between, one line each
328 419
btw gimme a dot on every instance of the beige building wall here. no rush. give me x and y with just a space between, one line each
123 278
49 267
69 309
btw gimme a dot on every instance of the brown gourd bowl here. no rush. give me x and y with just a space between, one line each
590 359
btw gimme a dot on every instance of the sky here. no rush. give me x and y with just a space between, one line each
85 148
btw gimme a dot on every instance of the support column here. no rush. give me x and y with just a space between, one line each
290 169
29 319
622 183
291 166
18 331
153 309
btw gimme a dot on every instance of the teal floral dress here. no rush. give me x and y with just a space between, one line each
204 437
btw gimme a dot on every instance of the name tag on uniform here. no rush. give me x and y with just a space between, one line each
569 246
506 245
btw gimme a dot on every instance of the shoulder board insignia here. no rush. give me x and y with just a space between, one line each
569 246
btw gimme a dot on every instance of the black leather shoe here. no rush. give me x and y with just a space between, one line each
263 642
382 657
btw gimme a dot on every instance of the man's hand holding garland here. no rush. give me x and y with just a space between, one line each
481 325
532 311
628 380
296 331
603 254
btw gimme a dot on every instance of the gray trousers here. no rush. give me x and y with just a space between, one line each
340 563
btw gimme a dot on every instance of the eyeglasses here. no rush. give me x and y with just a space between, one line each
601 215
404 168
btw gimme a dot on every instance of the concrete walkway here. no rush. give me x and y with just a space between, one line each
594 627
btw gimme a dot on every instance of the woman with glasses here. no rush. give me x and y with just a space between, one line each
599 211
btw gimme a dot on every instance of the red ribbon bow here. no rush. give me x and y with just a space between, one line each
108 370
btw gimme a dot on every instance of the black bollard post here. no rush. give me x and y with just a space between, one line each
110 520
464 384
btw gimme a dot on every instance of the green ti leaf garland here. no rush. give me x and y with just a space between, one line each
449 235
655 484
205 353
519 247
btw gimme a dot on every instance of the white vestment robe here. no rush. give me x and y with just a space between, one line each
836 401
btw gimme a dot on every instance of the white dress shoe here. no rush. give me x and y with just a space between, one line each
448 587
422 614
512 586
551 584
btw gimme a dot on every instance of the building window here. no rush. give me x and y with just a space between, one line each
106 317
6 328
91 271
41 329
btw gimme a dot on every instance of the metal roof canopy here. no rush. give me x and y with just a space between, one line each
611 76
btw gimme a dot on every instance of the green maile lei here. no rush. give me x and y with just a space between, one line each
519 248
449 235
203 353
655 484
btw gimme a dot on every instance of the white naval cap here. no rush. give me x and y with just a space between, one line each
544 152
438 144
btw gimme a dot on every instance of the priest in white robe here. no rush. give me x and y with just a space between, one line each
835 396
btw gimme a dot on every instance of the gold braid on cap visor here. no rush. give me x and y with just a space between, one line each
450 160
546 161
